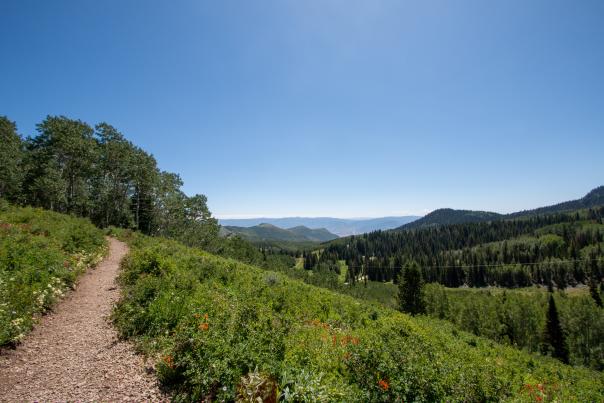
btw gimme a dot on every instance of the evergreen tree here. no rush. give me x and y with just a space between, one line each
11 160
554 338
595 294
410 289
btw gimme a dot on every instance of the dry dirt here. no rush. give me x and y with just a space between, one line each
74 353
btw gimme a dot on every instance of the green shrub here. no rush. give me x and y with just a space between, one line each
212 323
41 255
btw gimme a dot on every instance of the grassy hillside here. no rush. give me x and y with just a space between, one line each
41 255
268 232
221 330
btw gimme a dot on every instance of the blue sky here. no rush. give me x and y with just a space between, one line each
328 108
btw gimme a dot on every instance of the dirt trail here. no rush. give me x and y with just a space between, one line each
74 353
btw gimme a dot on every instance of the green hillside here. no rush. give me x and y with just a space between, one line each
447 216
222 330
313 234
267 232
41 255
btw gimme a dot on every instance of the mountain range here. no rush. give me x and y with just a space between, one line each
268 232
447 216
338 226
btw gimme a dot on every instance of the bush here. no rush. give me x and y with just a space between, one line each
41 255
218 328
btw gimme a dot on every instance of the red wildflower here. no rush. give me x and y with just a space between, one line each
203 326
383 384
169 361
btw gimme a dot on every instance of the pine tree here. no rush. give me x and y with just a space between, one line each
11 160
595 294
410 290
554 339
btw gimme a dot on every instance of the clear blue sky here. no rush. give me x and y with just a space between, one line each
340 108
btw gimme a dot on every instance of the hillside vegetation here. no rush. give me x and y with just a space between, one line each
447 216
222 330
561 249
268 232
41 255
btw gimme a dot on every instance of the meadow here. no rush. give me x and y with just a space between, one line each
41 255
219 329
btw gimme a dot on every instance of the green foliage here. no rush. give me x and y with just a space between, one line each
565 249
411 290
70 167
219 328
11 161
518 318
554 338
267 232
41 254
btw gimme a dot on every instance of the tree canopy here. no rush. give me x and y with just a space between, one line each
70 167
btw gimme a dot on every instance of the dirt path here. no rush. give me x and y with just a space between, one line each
74 354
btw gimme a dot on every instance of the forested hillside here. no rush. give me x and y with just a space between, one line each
447 216
223 330
561 249
268 232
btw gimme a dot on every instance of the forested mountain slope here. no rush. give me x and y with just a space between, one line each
447 216
562 249
268 232
226 330
594 198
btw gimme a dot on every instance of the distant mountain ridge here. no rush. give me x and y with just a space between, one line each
338 226
447 216
268 232
592 199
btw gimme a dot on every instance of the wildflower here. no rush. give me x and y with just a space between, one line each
203 326
169 361
205 316
383 384
196 315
